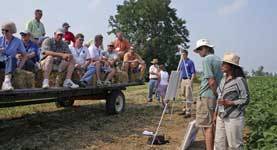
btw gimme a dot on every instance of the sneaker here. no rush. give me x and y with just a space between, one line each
45 84
7 86
99 83
149 100
69 84
107 83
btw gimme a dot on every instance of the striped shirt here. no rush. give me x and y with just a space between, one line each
237 91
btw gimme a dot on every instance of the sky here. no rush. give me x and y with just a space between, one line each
247 28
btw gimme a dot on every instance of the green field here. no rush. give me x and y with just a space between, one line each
261 115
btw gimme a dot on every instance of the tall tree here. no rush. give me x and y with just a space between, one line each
153 27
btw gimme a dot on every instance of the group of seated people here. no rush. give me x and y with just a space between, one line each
63 55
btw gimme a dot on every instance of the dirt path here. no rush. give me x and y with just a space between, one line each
88 127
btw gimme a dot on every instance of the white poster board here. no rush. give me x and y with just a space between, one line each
173 85
190 135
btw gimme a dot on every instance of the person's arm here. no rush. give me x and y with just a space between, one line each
43 30
31 55
209 75
29 26
47 51
193 72
21 54
64 56
212 85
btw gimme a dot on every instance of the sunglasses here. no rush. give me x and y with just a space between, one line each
5 30
60 34
81 39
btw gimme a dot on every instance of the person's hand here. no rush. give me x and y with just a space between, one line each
225 102
78 66
220 102
67 57
228 103
19 56
214 118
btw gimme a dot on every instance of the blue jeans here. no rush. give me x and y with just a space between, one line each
9 65
152 86
29 65
91 70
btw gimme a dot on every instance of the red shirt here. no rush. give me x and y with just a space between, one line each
69 36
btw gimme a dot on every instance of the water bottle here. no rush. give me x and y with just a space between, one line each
220 107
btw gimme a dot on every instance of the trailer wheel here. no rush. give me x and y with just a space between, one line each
64 102
115 103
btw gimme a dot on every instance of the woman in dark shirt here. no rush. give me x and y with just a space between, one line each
233 96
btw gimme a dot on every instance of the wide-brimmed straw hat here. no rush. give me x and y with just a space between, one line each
202 42
231 58
154 61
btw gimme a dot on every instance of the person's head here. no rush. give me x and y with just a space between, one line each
204 47
98 39
58 35
8 29
119 36
162 67
111 47
132 50
66 26
230 65
184 53
38 14
155 61
25 36
79 39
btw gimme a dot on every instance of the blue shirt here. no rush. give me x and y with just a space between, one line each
14 47
187 68
32 47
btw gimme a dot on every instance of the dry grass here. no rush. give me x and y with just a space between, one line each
86 126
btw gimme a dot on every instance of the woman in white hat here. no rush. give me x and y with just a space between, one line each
233 97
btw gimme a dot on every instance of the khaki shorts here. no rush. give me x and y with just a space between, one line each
204 112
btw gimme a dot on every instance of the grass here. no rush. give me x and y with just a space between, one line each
87 127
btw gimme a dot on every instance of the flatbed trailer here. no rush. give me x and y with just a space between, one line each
65 97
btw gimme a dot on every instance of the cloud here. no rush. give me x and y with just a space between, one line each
235 6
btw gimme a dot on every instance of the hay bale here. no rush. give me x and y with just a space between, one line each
133 76
120 77
21 79
56 79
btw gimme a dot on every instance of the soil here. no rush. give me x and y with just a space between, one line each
86 126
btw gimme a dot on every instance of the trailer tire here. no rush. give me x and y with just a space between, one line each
64 102
115 103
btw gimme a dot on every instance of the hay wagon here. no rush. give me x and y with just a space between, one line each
65 97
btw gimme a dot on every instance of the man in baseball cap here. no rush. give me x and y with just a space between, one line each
68 36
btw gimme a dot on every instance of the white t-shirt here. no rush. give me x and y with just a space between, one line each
164 78
95 52
153 69
80 54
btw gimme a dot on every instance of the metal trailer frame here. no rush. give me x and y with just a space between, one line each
65 97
